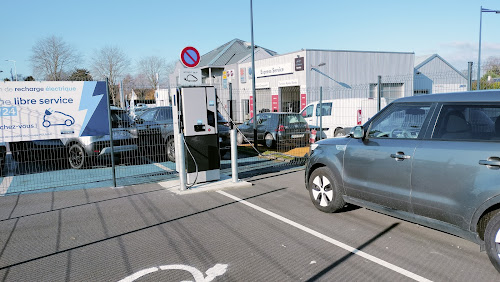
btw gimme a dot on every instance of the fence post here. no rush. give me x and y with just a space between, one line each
320 112
379 93
110 134
469 76
234 156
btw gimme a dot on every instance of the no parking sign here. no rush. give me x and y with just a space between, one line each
190 57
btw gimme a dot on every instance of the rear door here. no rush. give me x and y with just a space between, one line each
378 169
457 167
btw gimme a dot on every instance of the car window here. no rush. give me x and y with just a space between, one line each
468 122
291 119
120 119
263 118
148 115
220 118
326 109
399 121
308 111
164 114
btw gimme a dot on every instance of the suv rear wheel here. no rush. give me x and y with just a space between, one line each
324 191
492 240
269 140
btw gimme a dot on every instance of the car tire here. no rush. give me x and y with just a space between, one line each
324 191
269 141
77 157
171 150
492 240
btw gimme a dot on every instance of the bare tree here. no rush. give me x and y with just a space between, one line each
151 66
52 58
169 69
492 66
110 62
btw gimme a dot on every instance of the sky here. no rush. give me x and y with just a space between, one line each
163 28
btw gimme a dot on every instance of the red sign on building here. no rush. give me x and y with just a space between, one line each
251 106
303 101
359 117
275 103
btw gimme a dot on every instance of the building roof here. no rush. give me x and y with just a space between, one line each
229 53
422 60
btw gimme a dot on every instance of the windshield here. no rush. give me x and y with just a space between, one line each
120 119
292 118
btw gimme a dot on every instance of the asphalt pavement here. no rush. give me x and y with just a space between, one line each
267 232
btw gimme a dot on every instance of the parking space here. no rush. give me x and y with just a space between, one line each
269 232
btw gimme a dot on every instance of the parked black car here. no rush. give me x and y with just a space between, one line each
430 159
276 128
156 132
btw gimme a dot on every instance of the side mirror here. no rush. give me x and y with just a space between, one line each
358 132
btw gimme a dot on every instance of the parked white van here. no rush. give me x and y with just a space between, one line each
340 115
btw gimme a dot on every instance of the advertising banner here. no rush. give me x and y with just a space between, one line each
37 110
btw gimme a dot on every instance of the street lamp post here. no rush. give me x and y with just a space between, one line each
15 69
483 10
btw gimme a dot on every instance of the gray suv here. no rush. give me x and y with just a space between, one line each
431 159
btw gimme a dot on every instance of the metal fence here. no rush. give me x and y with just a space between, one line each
288 120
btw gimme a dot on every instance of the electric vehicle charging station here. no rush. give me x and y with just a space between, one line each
195 121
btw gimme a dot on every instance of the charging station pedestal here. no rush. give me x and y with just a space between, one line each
195 114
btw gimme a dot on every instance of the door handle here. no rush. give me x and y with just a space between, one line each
400 156
491 161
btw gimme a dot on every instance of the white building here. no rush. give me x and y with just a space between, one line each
435 75
290 81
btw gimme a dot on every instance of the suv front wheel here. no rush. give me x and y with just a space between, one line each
324 191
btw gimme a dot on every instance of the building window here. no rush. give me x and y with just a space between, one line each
421 92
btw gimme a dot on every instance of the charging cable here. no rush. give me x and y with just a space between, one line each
195 164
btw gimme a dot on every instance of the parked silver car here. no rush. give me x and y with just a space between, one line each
430 159
84 151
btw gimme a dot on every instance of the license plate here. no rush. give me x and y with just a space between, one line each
297 135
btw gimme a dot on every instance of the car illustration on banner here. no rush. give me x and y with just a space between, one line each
56 118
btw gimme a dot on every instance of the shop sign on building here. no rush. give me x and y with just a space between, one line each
261 85
243 75
285 83
274 70
299 64
224 79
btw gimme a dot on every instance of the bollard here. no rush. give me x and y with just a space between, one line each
234 156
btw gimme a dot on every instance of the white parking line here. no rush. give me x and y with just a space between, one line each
330 240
